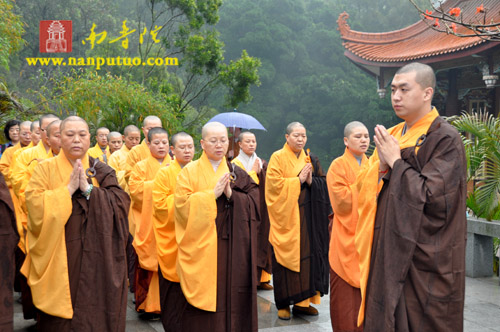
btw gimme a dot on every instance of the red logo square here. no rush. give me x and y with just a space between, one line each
56 36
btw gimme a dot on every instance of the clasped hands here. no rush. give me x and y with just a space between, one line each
305 174
223 186
387 148
78 179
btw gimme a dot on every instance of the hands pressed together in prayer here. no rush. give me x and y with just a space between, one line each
256 166
78 179
387 147
223 186
306 174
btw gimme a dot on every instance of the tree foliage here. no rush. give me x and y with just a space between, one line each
11 30
482 148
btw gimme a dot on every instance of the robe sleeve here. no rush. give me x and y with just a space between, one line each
164 225
196 235
341 190
136 185
282 194
49 208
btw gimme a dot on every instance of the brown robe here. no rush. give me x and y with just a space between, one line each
8 243
96 236
314 204
417 273
264 247
237 225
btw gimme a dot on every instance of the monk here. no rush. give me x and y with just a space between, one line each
216 223
21 174
298 206
345 296
164 228
6 160
35 132
411 240
77 231
115 141
141 151
9 238
118 160
101 149
248 160
147 288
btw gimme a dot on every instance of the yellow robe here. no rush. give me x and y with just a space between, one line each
96 153
118 160
252 173
23 168
141 191
282 194
6 163
195 231
136 154
341 178
49 208
164 223
368 186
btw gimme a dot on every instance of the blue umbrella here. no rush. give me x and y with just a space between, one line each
237 120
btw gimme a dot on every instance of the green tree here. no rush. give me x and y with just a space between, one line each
11 30
482 148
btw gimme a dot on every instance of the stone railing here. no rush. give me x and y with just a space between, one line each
479 252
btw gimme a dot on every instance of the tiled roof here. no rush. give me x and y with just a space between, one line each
418 41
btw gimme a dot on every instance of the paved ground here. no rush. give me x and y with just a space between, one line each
482 313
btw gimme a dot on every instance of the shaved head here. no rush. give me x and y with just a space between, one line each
210 126
130 129
25 124
53 127
241 136
292 126
425 76
34 125
44 119
114 134
73 118
350 126
175 138
151 119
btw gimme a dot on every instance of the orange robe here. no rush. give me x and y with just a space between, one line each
141 191
282 195
195 231
164 223
136 154
46 265
97 153
341 178
368 186
118 161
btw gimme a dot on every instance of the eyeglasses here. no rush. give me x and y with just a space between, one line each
26 134
216 141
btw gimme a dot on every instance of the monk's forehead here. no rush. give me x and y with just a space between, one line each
116 137
248 135
359 129
184 140
76 126
133 133
159 136
298 129
25 126
103 130
216 131
152 123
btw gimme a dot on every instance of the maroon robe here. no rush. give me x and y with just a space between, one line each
96 237
264 247
417 269
291 287
8 243
237 225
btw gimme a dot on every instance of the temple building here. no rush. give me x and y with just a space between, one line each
466 67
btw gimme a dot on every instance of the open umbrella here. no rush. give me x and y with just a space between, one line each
237 120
